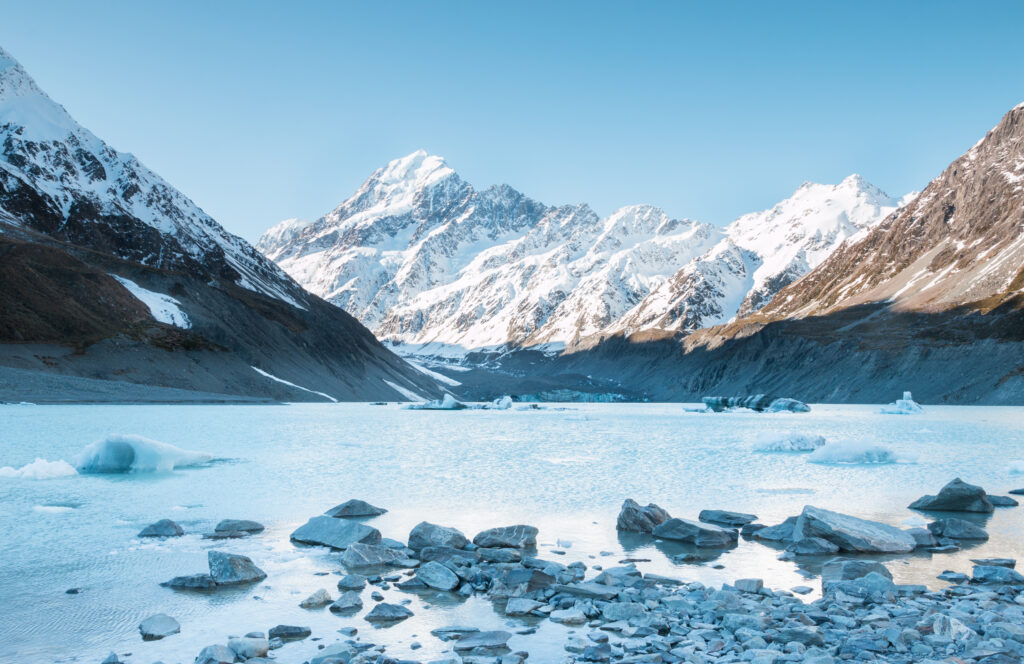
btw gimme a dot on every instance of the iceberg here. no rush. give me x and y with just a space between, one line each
40 469
447 403
135 454
853 452
759 402
503 403
787 442
904 406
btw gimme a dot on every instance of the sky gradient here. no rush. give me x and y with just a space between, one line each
262 111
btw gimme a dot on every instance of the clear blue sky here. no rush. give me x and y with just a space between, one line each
262 111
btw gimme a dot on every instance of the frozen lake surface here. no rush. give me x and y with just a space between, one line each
565 471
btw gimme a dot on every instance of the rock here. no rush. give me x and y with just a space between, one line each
1016 492
995 562
589 590
812 546
318 599
694 532
427 534
369 555
348 602
623 611
782 532
727 519
520 606
808 636
289 632
228 569
570 616
849 570
1002 501
447 554
162 528
339 653
957 496
483 641
529 579
238 526
500 555
997 574
957 529
158 626
923 537
953 577
335 533
216 654
191 582
352 582
112 658
507 537
248 647
437 576
850 533
748 585
354 509
387 613
636 519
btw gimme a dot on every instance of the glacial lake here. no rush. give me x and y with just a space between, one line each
565 469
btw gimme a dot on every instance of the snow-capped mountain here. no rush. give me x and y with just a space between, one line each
425 260
91 238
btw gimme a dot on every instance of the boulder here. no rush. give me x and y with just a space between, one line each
850 533
216 654
352 582
636 519
850 570
507 537
957 496
748 585
1002 501
349 602
500 555
426 534
924 537
335 533
694 532
727 519
447 554
289 632
782 532
437 576
520 606
248 647
157 627
318 599
354 509
808 636
191 582
483 641
997 562
812 546
229 569
384 612
238 526
957 529
369 555
997 574
570 616
162 528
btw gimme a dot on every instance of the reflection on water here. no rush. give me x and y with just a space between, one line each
566 472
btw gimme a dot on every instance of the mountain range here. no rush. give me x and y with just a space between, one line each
112 277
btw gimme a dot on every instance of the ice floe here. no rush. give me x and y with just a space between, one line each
40 469
771 441
853 452
135 454
904 406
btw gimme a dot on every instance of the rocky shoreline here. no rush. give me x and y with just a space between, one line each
619 614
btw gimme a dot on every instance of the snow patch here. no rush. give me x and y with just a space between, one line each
290 384
135 454
164 308
408 394
441 378
40 469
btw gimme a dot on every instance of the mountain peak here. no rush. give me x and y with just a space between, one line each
419 167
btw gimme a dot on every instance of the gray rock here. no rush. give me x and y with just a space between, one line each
289 632
850 533
623 610
694 532
953 577
1002 501
957 496
848 570
191 582
520 606
957 529
997 574
437 576
636 519
782 532
318 599
335 533
349 602
996 562
354 509
216 654
162 528
247 647
238 526
228 569
727 519
338 653
483 641
748 585
352 582
447 554
812 546
923 537
500 555
808 636
369 555
387 613
507 537
158 626
426 534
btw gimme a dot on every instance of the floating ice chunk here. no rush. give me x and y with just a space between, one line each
904 406
1016 467
40 469
447 403
853 452
768 441
135 454
758 402
503 403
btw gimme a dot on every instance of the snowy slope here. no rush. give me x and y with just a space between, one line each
427 261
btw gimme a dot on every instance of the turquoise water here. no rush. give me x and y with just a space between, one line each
565 471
